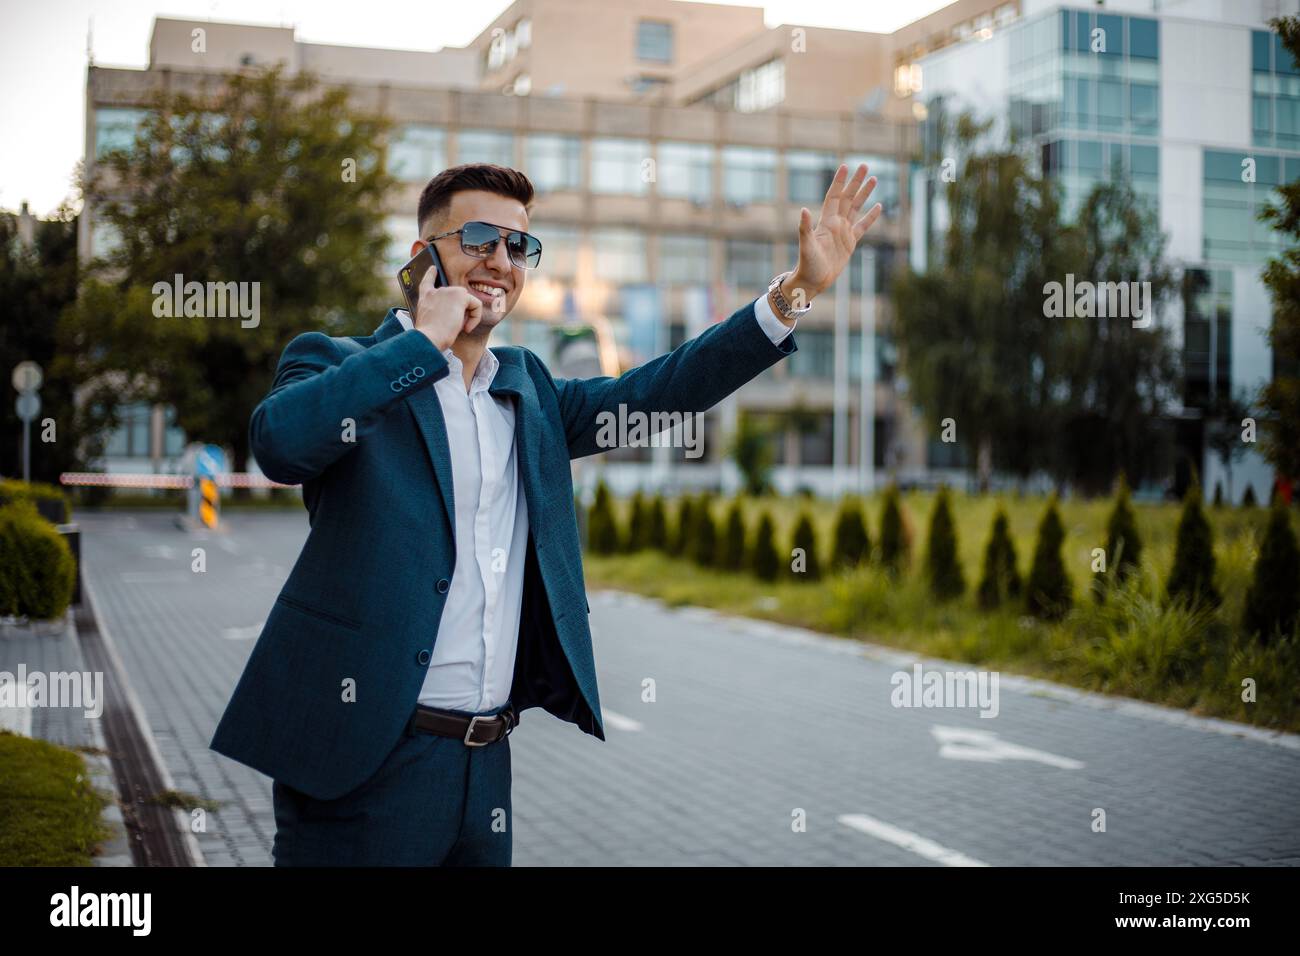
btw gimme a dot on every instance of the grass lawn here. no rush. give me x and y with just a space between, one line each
49 812
1132 645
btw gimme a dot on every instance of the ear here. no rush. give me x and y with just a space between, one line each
416 246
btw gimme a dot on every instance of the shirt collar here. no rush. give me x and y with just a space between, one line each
487 365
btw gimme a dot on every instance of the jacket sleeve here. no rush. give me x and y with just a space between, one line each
297 431
693 377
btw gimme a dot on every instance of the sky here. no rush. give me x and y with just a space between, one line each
44 43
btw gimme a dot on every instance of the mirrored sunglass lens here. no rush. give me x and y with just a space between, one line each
478 239
525 250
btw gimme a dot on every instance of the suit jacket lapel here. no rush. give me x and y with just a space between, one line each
512 379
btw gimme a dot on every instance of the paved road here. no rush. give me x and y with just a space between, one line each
751 727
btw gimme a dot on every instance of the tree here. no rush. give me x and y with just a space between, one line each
681 541
638 527
1123 542
1192 576
270 182
1281 397
751 449
942 562
602 526
1000 580
657 533
1248 499
852 544
1048 590
1273 602
804 540
1223 433
732 556
704 537
895 542
765 559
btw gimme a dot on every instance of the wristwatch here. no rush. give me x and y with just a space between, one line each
782 306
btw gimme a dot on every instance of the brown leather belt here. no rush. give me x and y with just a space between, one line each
472 731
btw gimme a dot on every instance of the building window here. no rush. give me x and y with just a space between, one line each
619 255
417 153
684 259
748 265
486 146
559 251
619 166
1275 101
1080 164
130 439
885 169
685 171
115 128
654 41
553 161
762 87
1232 230
748 174
400 237
1207 335
807 175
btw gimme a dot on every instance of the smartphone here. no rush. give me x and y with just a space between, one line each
411 274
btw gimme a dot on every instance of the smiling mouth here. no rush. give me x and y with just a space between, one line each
488 290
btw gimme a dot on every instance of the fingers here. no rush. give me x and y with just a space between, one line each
850 191
866 222
473 311
833 191
860 197
427 280
805 221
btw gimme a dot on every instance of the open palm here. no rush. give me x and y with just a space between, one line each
824 250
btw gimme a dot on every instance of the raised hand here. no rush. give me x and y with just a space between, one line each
825 249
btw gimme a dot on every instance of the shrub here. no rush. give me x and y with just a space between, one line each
704 536
942 563
1218 494
638 525
1000 580
657 532
50 501
681 539
1123 542
1192 576
895 546
37 570
1248 499
852 544
1273 600
602 526
1048 591
765 560
732 552
805 539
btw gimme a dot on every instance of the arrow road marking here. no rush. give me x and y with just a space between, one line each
958 743
907 840
619 722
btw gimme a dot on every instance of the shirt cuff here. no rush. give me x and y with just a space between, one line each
776 329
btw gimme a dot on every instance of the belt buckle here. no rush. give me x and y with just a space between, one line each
469 731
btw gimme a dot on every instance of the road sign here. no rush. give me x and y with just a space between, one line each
27 377
28 405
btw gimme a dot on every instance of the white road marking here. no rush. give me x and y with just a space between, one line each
243 633
164 551
958 743
154 577
907 840
620 722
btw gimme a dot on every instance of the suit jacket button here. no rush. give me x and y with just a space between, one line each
423 658
443 585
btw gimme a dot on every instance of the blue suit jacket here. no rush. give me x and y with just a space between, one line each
364 599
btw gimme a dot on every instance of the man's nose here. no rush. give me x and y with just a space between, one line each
500 258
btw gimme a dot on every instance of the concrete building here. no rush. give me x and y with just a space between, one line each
1188 97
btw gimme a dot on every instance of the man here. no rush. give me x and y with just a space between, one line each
440 593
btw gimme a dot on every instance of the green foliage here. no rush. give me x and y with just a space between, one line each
1048 590
1192 576
752 450
638 528
1000 579
805 539
657 527
37 570
943 567
1272 606
765 559
1218 495
1123 542
50 500
731 555
681 539
245 181
852 543
1248 499
602 525
704 536
50 811
895 542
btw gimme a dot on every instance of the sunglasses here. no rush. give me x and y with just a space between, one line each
479 239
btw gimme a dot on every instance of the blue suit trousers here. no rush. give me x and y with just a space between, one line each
433 802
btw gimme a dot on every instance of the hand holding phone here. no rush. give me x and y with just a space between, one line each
440 311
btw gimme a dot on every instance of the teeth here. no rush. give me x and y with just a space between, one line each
490 290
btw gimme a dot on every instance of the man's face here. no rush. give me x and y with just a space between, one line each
496 280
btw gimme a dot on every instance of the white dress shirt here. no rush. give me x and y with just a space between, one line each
473 660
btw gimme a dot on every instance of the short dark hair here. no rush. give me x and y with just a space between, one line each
489 177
